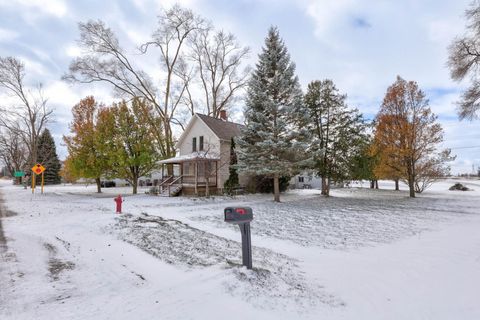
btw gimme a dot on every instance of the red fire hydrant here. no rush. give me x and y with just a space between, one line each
119 201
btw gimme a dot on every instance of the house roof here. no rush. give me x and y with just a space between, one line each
224 130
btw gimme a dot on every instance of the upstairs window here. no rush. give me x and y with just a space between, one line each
194 144
200 147
300 179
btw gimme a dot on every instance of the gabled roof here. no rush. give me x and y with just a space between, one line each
224 130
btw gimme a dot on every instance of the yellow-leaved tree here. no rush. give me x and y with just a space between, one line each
407 137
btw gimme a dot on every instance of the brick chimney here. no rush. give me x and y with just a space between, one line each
223 115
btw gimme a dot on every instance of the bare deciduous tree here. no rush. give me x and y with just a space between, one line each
30 115
218 58
106 61
464 60
175 27
13 152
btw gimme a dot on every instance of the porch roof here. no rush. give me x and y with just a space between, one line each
195 156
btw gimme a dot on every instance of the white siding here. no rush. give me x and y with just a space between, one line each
224 165
210 141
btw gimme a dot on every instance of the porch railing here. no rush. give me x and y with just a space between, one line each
163 183
174 181
200 180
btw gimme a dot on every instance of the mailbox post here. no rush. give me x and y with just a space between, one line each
242 217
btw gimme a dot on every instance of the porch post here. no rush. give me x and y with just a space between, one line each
216 174
196 177
181 172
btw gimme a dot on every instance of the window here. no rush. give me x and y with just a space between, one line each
200 147
300 179
194 144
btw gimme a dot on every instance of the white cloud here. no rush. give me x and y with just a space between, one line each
73 51
7 35
34 69
328 13
56 8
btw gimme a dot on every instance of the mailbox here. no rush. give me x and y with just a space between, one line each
242 217
238 215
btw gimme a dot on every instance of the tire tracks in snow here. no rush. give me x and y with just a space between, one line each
8 271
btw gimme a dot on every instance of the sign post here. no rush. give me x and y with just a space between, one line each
18 174
37 169
33 183
242 217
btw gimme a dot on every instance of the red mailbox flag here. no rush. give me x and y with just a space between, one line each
240 210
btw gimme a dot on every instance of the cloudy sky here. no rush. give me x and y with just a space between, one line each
361 45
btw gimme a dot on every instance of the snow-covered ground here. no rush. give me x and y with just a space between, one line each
360 254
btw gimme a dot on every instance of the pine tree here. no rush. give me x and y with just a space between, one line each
47 156
270 141
337 132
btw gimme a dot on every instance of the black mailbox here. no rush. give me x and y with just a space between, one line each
238 215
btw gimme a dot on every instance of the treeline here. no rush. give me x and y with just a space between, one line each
24 137
116 141
200 69
287 132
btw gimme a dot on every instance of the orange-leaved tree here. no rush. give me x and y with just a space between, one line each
87 156
407 135
389 164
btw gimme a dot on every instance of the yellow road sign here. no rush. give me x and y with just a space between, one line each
38 168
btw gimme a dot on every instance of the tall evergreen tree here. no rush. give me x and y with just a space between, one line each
270 141
47 156
337 132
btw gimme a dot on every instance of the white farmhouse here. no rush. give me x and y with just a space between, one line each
202 162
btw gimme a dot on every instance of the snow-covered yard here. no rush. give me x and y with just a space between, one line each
360 254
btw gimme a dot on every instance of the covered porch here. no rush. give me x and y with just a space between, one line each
194 174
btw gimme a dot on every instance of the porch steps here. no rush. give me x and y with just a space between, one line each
175 191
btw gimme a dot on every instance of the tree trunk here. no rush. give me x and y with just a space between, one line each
397 187
411 187
99 186
276 188
372 184
411 181
324 186
135 185
207 189
376 184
